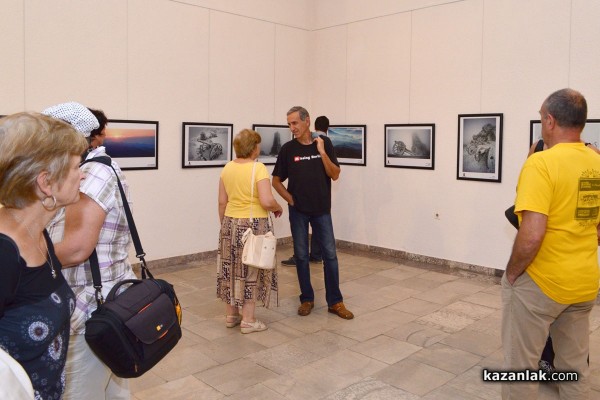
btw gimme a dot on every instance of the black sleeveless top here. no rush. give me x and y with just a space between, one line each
35 310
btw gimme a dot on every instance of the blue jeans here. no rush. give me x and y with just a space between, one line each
322 229
315 249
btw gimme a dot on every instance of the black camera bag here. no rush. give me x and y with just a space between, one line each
135 327
132 331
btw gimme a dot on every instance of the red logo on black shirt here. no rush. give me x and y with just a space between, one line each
297 158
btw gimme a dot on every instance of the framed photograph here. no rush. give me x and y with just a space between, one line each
590 134
206 145
132 144
479 155
350 143
272 137
410 146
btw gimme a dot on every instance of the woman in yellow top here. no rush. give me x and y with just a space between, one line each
240 286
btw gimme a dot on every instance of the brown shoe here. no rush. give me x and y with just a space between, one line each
341 311
305 308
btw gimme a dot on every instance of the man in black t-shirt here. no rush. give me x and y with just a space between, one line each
321 128
310 165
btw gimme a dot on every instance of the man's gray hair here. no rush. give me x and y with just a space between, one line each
301 112
568 107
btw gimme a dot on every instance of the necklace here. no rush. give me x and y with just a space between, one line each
37 242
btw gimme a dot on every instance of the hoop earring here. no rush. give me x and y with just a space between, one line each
49 208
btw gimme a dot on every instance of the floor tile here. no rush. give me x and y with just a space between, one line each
323 343
473 342
397 292
372 324
326 376
420 331
149 380
416 306
371 389
446 358
417 334
455 316
440 296
259 391
370 302
184 361
211 329
471 382
465 286
485 299
438 277
375 281
449 393
386 349
283 358
184 388
277 334
414 377
402 272
235 376
232 347
419 283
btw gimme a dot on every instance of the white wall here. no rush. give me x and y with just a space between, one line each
246 62
158 60
428 65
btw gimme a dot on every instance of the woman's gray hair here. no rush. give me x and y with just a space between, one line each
29 144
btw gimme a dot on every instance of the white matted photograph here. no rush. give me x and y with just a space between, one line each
410 146
479 153
272 137
206 144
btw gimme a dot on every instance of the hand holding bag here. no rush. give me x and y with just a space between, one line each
259 250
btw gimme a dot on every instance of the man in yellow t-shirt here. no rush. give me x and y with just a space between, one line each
551 279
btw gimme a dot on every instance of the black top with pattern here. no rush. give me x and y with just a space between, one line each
35 310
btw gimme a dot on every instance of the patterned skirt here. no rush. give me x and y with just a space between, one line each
237 283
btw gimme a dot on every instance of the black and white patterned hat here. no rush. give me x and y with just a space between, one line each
75 114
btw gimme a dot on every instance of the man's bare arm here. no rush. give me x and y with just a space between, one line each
527 244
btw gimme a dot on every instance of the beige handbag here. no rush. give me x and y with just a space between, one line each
259 250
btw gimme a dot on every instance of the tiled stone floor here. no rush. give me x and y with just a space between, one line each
419 332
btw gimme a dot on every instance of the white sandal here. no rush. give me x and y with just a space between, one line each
256 326
234 323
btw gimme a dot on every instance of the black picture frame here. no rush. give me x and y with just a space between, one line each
350 143
206 144
479 148
409 146
590 133
272 138
133 144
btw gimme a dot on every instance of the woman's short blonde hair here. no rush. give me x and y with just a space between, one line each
245 142
31 143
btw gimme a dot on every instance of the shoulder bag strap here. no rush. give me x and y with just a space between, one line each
252 198
252 189
94 264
